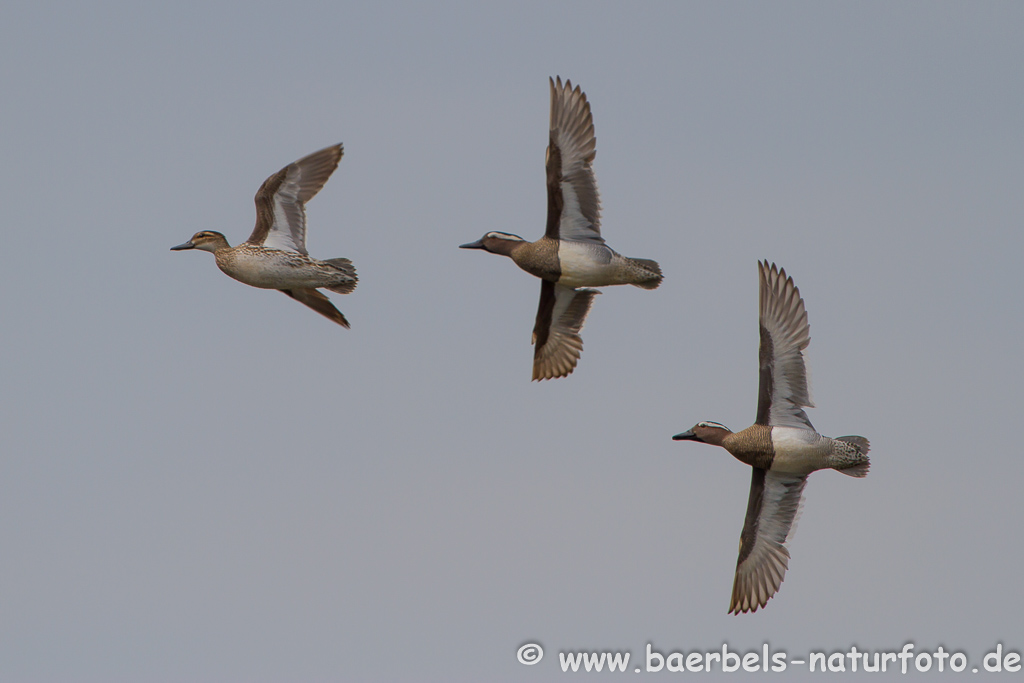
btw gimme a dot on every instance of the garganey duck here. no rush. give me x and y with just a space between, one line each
571 254
781 446
274 256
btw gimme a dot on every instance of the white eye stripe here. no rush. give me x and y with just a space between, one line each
505 236
715 425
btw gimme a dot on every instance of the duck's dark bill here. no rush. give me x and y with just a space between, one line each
688 434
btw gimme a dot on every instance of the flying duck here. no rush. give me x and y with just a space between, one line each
782 446
275 256
571 256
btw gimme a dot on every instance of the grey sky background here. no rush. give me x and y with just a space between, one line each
203 481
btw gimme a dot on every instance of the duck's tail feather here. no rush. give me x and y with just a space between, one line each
347 270
652 269
859 457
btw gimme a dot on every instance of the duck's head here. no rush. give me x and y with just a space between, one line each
496 242
705 432
206 240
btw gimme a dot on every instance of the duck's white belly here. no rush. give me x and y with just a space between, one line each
799 451
274 270
587 265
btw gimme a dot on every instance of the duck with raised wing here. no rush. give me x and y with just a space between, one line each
781 446
571 256
275 256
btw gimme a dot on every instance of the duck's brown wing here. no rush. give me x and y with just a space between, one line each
574 206
319 303
772 511
280 201
783 392
560 316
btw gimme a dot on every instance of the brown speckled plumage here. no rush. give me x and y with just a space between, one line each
274 256
753 446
